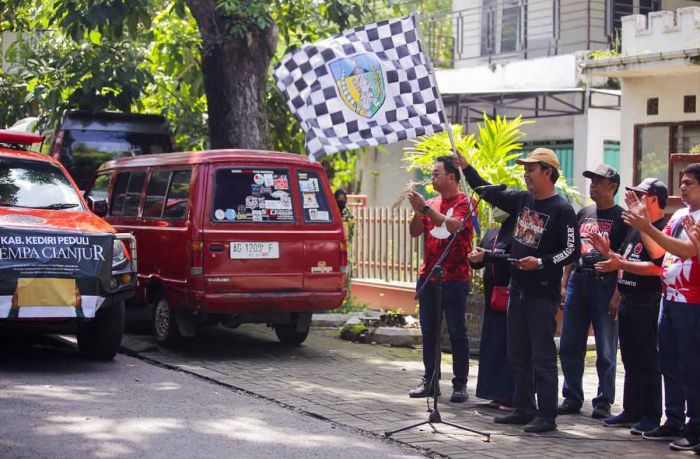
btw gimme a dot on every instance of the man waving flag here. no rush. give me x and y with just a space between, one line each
367 86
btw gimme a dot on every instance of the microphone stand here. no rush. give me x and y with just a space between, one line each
434 417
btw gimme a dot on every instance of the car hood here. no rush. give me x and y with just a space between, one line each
53 220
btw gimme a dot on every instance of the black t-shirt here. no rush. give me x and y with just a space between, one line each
632 249
606 222
544 228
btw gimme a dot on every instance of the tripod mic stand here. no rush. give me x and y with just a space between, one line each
434 417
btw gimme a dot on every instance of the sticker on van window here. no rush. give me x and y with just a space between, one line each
257 215
230 214
268 179
286 202
256 190
310 201
309 186
273 204
261 202
318 215
279 194
281 183
219 214
251 202
240 209
259 179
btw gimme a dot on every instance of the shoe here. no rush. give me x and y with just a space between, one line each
645 425
601 412
506 407
568 407
663 433
621 420
696 450
459 393
688 442
539 425
513 418
422 390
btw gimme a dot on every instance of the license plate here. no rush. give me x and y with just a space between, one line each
254 250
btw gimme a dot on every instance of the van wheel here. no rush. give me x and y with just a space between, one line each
164 322
101 337
290 335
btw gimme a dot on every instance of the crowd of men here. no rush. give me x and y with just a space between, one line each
632 274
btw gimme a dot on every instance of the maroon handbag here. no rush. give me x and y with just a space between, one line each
500 293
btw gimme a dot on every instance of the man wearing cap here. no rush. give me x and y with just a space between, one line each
638 294
588 294
545 239
679 317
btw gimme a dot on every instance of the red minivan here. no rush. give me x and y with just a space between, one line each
228 236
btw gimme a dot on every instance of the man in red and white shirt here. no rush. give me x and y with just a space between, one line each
437 220
679 319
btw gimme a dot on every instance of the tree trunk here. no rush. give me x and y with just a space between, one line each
235 76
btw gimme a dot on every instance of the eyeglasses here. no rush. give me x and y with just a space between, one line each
436 174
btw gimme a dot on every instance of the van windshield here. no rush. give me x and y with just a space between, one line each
252 195
82 152
35 184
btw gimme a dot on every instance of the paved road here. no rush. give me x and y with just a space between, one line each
53 405
364 387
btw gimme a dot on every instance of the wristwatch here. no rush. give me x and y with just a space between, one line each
425 209
539 263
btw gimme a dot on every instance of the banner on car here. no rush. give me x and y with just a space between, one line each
53 275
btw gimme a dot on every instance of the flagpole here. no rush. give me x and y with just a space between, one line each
429 62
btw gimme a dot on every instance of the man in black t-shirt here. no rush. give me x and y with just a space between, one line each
638 295
545 239
588 294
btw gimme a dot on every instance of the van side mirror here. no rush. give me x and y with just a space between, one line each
97 206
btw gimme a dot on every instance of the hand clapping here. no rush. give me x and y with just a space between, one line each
636 213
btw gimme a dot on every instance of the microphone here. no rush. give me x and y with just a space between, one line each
485 188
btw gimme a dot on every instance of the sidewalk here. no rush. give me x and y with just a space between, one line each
365 387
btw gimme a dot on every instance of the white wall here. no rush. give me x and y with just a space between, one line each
635 92
384 175
591 131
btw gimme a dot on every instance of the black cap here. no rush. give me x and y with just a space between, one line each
604 171
654 187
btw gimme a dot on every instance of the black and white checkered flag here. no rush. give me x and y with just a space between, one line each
366 86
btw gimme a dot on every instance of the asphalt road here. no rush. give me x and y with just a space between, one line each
53 404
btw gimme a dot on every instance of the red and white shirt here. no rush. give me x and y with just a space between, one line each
681 277
456 264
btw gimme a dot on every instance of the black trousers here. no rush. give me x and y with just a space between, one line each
637 328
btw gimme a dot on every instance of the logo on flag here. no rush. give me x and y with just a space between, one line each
360 83
367 86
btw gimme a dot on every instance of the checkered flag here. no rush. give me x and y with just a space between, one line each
366 86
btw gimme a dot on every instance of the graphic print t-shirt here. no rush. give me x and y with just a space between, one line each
606 222
681 277
456 264
632 249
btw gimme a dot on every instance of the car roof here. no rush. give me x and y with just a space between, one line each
209 156
13 145
115 121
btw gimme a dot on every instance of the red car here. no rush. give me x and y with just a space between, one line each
228 237
62 268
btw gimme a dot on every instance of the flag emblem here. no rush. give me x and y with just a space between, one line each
360 83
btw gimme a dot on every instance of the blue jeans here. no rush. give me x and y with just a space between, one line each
679 360
587 301
533 354
454 297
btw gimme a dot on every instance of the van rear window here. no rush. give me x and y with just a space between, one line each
252 195
313 198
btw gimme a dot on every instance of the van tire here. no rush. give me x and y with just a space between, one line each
101 338
289 335
164 322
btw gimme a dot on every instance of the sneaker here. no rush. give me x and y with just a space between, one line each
644 425
621 420
601 412
506 407
423 390
459 393
539 425
688 442
513 418
663 433
568 407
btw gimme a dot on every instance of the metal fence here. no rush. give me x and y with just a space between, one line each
383 247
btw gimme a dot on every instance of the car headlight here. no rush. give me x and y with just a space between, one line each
119 256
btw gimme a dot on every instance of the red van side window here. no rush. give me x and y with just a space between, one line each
177 202
313 198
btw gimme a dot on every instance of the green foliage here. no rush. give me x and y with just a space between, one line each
241 15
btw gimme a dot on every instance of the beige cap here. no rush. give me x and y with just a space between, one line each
540 155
